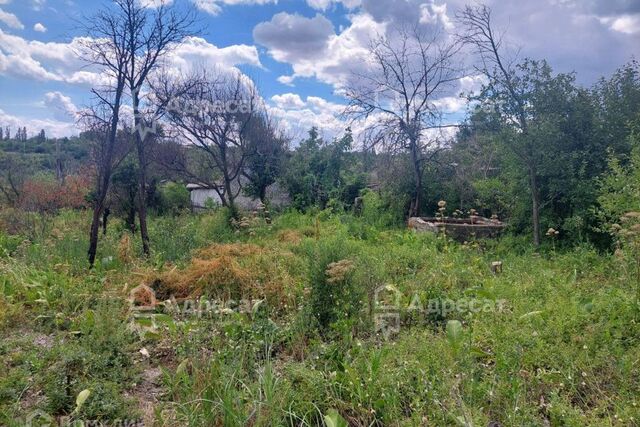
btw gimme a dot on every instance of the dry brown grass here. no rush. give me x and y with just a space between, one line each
338 271
125 249
290 236
142 296
230 271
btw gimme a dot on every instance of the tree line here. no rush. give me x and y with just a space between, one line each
534 148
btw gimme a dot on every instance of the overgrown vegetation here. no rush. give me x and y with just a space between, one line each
322 308
289 336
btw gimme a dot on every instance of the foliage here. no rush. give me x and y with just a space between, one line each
310 350
174 198
44 194
266 154
320 171
619 189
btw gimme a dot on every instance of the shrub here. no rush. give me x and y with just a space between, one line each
44 194
334 295
174 198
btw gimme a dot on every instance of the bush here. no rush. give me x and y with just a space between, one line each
174 198
44 194
334 296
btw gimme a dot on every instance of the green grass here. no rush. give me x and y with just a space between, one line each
561 349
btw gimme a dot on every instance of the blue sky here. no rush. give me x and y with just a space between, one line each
299 52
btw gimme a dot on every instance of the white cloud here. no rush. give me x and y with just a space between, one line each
431 13
10 20
40 28
196 52
288 101
209 6
325 4
627 24
297 116
287 80
321 104
154 4
450 104
35 60
5 1
37 5
62 107
291 38
314 50
214 7
52 128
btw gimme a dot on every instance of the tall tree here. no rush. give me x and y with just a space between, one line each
213 111
266 150
144 37
509 92
107 49
408 71
318 171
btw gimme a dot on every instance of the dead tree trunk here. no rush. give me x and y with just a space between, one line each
140 136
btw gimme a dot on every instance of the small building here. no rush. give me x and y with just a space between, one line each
204 196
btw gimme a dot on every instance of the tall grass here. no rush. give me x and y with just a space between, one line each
561 350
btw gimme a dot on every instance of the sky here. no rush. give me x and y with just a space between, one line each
300 53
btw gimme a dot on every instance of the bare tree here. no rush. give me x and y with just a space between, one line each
505 87
109 147
106 49
213 112
11 179
408 71
134 41
150 35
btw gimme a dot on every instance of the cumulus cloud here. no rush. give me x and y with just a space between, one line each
297 116
196 52
291 38
58 62
10 20
325 4
53 128
288 101
50 61
572 35
214 7
313 48
42 61
61 106
434 14
592 37
154 4
628 24
40 28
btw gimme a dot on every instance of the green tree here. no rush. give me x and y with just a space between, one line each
266 151
318 171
